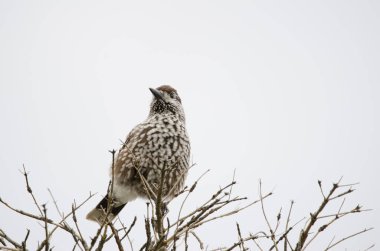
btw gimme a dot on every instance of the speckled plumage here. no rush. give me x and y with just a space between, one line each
161 141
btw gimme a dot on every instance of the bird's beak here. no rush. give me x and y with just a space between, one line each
156 94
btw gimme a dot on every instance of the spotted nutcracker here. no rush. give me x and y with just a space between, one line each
159 143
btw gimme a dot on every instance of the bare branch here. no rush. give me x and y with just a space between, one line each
348 237
287 223
272 236
29 189
11 241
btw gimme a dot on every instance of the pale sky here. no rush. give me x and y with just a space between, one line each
283 91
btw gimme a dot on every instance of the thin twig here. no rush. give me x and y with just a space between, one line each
116 236
240 238
251 237
273 238
313 218
6 237
81 239
29 189
287 225
56 204
187 195
25 239
46 228
201 245
348 237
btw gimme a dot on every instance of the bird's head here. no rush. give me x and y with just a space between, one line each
166 100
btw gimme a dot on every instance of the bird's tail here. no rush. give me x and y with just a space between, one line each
99 213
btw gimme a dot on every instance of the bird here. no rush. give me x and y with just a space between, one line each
159 143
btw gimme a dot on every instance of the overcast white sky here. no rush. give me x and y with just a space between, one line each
285 91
